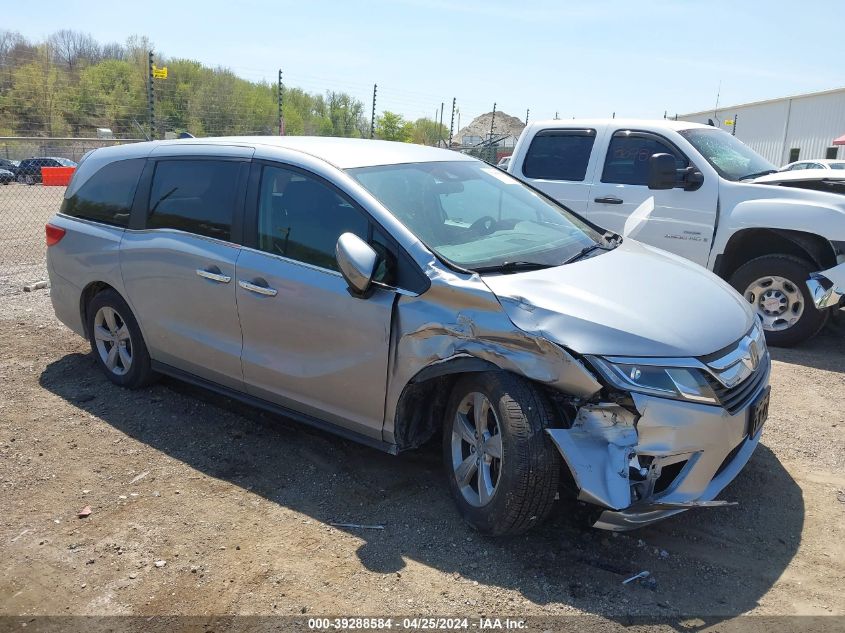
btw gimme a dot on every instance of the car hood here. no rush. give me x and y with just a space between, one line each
632 301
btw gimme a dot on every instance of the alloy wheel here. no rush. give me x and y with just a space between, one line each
476 449
111 335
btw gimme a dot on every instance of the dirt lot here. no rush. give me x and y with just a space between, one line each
238 505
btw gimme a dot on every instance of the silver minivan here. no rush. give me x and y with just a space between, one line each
390 292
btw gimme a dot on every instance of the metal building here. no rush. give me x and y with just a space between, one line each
786 129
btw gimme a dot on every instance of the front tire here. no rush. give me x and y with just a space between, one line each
116 341
503 470
775 285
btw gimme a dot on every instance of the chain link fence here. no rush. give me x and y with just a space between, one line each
27 201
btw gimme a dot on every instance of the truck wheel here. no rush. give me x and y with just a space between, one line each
776 286
117 342
502 469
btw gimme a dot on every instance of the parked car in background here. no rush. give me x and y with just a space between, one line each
29 171
6 177
693 190
9 165
389 292
821 163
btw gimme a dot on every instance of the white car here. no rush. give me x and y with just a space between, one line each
821 163
693 190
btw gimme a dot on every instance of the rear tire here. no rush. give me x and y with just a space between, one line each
117 343
776 287
521 483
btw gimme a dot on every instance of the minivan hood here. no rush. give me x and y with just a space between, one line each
632 301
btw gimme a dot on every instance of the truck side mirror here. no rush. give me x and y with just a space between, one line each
662 172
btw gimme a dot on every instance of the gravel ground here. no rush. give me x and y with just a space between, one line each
201 506
239 505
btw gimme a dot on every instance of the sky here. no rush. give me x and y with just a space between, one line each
636 58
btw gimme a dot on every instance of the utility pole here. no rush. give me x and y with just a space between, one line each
493 122
373 117
281 111
440 127
452 124
733 131
556 115
614 116
151 112
527 110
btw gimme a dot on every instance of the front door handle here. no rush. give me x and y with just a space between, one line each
609 200
214 274
258 289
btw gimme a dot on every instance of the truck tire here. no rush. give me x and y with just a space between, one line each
502 468
776 287
117 343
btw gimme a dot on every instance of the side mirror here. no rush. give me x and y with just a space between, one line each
693 179
357 262
662 173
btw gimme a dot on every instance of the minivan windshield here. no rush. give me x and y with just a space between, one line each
478 217
732 159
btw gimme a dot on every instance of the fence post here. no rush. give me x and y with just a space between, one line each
440 127
281 111
373 117
151 98
452 124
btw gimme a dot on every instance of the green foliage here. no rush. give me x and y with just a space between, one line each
71 85
393 127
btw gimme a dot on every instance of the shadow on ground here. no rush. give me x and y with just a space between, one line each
712 563
825 351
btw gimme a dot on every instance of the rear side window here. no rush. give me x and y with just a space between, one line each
627 161
107 195
559 154
196 196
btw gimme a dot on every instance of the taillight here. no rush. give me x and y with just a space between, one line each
54 234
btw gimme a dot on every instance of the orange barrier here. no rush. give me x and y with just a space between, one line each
57 176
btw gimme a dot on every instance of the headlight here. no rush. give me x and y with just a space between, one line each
644 376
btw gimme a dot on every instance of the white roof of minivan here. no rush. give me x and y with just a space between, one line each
344 153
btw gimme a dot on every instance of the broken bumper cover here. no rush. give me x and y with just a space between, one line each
677 455
827 287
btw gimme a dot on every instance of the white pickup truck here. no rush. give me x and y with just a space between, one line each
688 189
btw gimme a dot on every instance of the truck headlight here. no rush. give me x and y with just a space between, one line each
645 376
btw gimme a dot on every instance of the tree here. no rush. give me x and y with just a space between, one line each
429 132
393 127
72 48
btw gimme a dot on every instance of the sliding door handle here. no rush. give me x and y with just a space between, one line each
609 200
265 290
213 273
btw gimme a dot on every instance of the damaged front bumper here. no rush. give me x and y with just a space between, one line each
827 287
672 456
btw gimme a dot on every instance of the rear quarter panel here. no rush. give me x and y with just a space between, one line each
89 252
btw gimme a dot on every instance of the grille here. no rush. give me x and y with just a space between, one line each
737 397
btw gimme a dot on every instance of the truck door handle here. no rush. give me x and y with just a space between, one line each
609 200
264 289
213 273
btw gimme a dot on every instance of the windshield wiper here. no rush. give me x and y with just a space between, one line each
757 174
586 251
512 267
